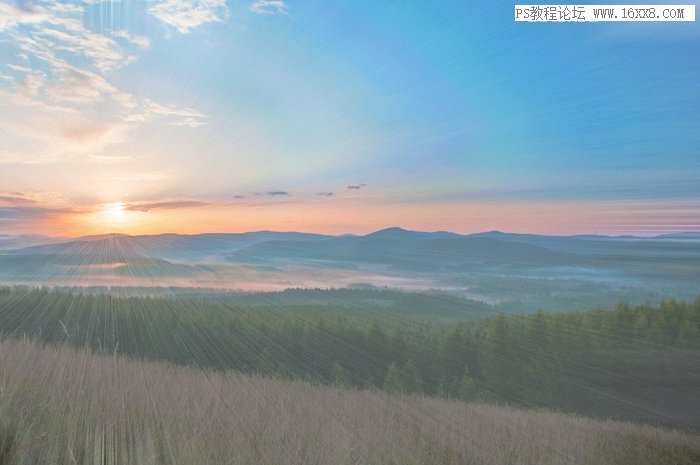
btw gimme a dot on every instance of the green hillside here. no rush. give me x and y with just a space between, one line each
640 363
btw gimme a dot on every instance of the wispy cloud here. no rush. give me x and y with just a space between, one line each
52 29
269 7
180 116
277 193
34 200
12 15
22 214
185 15
16 200
355 187
325 194
58 97
165 204
140 42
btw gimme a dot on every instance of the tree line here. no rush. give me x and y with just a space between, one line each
541 359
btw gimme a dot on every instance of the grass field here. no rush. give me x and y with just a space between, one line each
60 405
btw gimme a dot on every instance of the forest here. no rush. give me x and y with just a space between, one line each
630 362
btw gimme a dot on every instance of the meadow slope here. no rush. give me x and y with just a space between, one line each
60 405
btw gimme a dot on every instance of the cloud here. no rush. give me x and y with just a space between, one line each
185 15
56 131
356 187
31 83
58 99
27 213
179 116
141 42
99 158
45 197
74 38
22 69
277 193
11 15
269 7
325 194
239 196
165 204
49 29
84 133
16 198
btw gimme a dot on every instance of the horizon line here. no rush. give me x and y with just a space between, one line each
389 228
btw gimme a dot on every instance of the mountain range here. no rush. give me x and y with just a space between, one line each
495 266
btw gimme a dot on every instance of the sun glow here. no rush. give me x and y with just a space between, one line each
115 216
114 212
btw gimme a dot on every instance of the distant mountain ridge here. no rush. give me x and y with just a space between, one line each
533 270
27 240
370 247
165 246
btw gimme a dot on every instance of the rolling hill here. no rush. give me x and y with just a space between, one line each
524 270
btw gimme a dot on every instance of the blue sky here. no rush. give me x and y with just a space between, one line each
447 107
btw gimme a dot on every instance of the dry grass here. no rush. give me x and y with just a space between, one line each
61 406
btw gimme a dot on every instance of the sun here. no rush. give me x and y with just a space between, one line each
114 212
105 218
115 216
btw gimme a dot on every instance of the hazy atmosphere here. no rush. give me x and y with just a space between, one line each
340 233
211 116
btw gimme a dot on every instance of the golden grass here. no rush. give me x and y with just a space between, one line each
62 406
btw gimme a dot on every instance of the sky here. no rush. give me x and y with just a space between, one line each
192 116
